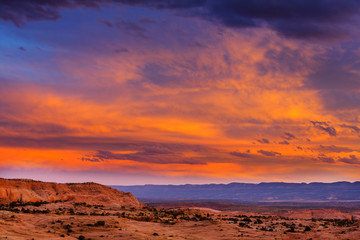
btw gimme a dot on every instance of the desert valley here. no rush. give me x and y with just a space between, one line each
180 119
39 210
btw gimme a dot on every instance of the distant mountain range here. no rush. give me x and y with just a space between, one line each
272 191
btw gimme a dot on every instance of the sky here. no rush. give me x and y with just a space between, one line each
135 92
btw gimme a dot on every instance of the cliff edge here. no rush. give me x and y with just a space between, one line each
27 190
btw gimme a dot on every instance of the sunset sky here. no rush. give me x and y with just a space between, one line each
170 92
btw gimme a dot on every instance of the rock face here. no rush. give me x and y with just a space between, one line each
27 190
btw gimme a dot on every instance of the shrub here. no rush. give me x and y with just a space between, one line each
246 219
243 225
100 223
67 226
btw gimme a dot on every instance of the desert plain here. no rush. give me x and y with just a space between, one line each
61 211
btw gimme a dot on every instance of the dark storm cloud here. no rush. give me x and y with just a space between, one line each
263 141
352 159
148 155
320 19
21 11
165 4
324 127
297 18
354 128
269 153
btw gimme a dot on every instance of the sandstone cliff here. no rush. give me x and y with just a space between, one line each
27 190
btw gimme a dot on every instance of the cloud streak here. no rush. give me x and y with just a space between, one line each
323 126
263 141
352 127
269 153
335 149
352 159
242 154
326 159
148 155
288 136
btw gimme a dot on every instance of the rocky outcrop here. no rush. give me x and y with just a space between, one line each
27 190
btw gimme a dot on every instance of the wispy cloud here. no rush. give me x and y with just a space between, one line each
242 154
352 159
288 136
269 153
263 141
324 127
352 127
148 155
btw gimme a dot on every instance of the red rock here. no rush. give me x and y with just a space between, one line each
26 190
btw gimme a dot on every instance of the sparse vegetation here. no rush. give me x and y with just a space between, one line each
99 217
99 223
307 228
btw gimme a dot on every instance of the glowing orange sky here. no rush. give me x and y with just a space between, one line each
175 100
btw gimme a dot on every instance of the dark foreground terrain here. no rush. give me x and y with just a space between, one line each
38 210
79 220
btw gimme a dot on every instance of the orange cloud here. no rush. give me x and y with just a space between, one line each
207 106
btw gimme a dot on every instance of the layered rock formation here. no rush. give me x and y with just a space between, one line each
26 190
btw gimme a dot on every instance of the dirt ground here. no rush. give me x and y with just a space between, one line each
65 220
